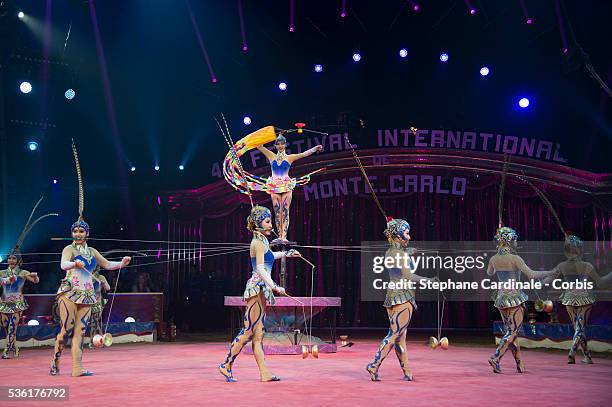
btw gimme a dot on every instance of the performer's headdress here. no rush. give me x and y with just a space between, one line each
256 217
15 251
395 229
505 236
80 222
573 247
280 139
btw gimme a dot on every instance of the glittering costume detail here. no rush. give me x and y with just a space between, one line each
508 298
255 285
10 323
399 319
513 320
78 285
12 299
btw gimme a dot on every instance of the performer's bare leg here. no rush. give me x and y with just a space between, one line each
399 318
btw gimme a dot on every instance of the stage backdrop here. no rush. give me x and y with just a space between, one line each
445 194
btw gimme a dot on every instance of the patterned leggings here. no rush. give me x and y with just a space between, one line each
10 323
73 321
399 319
254 318
513 320
580 317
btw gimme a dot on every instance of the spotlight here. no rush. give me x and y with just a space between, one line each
246 120
245 48
523 103
70 94
21 15
55 181
472 11
214 80
356 57
529 21
282 86
403 53
318 68
181 167
130 319
343 14
415 7
25 87
157 168
484 71
33 322
32 145
444 57
133 169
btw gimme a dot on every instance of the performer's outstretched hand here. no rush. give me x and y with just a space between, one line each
125 261
79 264
319 148
280 290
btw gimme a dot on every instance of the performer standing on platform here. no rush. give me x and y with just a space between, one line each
508 266
259 289
399 302
95 322
578 301
12 301
280 185
76 293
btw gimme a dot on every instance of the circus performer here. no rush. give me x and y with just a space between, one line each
12 301
95 322
400 302
259 289
279 185
578 299
508 266
76 294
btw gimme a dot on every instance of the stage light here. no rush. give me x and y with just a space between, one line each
282 86
214 80
245 48
523 103
343 14
356 57
484 71
21 15
33 322
246 120
32 145
1 259
55 181
415 7
70 94
133 169
529 21
444 57
181 167
25 87
130 319
472 11
403 53
318 68
157 168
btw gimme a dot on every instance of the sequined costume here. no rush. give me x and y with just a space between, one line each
259 289
76 294
578 299
12 304
508 267
399 302
12 280
279 185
